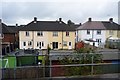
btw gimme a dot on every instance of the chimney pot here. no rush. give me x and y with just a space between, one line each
60 19
111 19
16 25
89 19
0 20
80 24
35 19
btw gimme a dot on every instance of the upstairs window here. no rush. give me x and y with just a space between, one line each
55 33
39 33
88 31
110 32
67 33
98 32
27 33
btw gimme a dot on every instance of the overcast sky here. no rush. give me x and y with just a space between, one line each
78 11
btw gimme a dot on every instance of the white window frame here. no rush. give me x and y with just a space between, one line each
88 32
40 33
27 33
40 44
55 33
67 33
111 32
29 43
98 32
24 43
64 43
99 41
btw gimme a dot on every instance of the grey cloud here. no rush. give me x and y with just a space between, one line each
76 11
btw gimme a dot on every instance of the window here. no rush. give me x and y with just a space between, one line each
64 43
98 31
99 41
55 33
29 43
110 32
24 43
88 31
27 33
70 44
42 43
39 44
67 33
39 33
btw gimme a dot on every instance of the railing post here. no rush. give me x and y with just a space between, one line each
92 66
47 63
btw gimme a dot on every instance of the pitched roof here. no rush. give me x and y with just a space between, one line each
4 28
9 29
92 25
111 25
13 29
77 25
99 25
48 26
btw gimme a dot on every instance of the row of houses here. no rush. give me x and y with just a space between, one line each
58 34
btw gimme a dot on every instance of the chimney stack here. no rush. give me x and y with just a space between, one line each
80 24
89 19
35 19
60 19
111 19
16 25
0 21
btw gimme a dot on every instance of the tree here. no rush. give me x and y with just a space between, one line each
80 58
70 22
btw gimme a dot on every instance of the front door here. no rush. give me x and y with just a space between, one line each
70 45
40 45
55 45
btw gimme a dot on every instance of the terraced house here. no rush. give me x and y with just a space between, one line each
98 32
9 37
40 34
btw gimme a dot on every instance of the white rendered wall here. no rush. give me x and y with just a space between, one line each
82 35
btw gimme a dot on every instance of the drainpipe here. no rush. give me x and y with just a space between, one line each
33 39
93 36
62 39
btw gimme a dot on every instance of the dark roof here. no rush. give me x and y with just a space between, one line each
13 29
77 25
4 28
48 26
9 29
99 25
111 25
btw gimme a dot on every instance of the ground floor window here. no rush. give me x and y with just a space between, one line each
99 41
40 44
64 43
55 45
